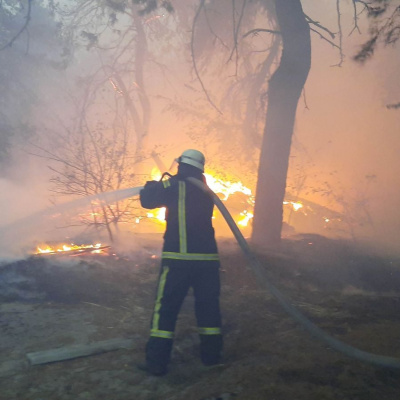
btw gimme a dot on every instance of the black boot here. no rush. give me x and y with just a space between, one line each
152 370
211 349
158 354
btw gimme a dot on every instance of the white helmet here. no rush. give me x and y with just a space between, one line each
192 157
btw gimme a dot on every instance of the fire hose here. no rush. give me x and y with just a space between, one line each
314 330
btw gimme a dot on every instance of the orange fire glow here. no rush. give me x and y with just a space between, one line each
226 189
247 216
217 185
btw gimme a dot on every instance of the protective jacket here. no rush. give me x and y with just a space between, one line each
189 233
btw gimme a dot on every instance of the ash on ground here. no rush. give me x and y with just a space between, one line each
52 302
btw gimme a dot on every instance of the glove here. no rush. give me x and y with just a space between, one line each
150 184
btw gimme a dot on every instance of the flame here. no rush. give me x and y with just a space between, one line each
217 185
296 205
158 214
155 174
247 216
65 248
226 188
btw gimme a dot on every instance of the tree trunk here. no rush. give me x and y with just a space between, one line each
285 87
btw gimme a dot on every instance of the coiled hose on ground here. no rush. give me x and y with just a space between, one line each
382 361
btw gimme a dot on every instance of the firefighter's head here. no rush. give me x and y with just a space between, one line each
192 157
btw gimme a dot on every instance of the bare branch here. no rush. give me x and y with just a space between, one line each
53 157
324 38
318 25
212 30
27 19
236 32
355 18
339 20
257 30
305 99
194 58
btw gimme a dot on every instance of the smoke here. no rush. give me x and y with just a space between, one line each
346 145
48 223
346 141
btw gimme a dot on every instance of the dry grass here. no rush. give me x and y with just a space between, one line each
352 295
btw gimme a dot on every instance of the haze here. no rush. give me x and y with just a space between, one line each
345 147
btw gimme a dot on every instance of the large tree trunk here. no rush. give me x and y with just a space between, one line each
285 87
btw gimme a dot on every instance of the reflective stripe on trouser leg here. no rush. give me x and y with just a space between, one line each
209 331
155 331
206 286
211 343
172 289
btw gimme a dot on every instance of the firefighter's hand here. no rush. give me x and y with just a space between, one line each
150 184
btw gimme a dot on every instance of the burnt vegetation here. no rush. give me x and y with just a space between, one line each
352 296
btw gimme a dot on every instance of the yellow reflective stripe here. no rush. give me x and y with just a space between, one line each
209 331
166 183
162 334
190 256
160 292
182 217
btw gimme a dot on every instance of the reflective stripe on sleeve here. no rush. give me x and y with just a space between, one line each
166 183
162 334
190 256
209 331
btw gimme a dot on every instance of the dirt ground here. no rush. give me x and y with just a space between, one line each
50 302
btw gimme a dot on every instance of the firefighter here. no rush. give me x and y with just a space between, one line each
189 260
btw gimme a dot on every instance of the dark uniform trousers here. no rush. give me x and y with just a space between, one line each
174 282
